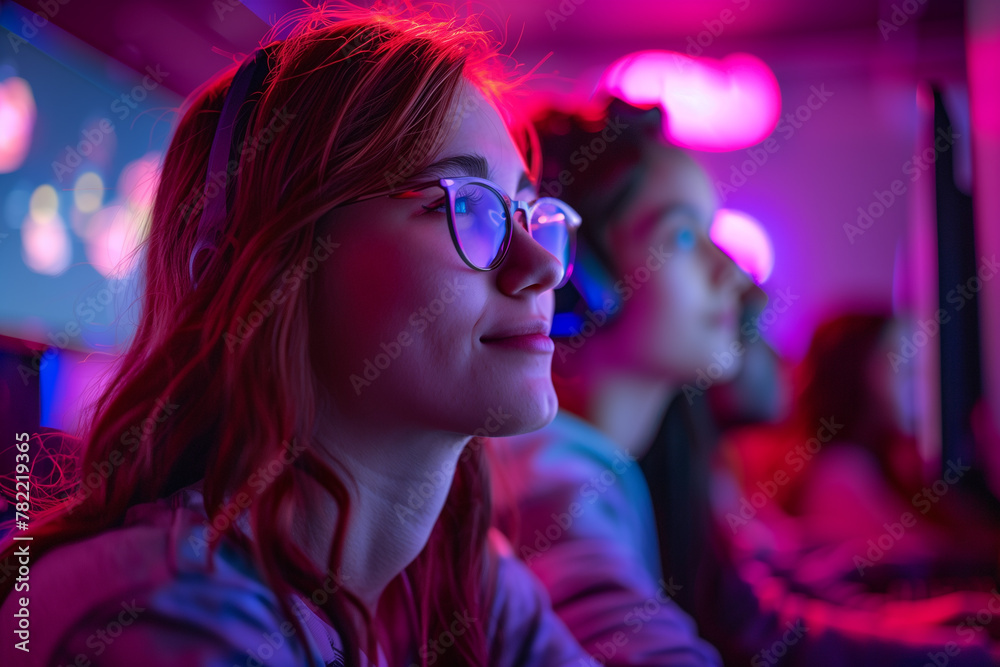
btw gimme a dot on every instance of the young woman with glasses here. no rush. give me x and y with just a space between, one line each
348 279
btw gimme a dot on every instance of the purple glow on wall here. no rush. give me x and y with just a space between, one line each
745 240
711 105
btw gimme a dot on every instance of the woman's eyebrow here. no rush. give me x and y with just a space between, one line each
668 212
682 209
466 164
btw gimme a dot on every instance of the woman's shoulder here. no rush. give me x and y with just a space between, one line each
149 591
523 629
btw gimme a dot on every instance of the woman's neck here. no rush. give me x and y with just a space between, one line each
401 479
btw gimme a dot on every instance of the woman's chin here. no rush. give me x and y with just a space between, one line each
536 410
542 410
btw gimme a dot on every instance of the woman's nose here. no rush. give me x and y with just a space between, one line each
726 273
528 265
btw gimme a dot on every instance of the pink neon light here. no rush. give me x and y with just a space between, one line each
745 240
115 231
711 105
138 180
45 245
17 121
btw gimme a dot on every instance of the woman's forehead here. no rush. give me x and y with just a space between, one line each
675 178
479 129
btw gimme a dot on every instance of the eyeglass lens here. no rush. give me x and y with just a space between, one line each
481 226
550 228
479 223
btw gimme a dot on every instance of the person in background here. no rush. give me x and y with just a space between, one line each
652 301
799 501
867 472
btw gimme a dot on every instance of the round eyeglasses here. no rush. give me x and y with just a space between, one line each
481 221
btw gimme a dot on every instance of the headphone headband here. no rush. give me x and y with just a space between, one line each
237 109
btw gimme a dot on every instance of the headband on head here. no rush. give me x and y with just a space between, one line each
233 121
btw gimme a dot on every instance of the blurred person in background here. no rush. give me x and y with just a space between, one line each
866 473
811 512
653 300
654 305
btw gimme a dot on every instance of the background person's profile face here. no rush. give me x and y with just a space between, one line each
684 312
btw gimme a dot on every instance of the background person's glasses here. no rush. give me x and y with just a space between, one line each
481 220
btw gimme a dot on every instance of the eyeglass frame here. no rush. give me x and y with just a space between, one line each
450 186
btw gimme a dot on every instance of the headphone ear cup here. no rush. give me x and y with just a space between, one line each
590 294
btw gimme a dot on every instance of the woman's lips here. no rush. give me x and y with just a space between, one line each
528 343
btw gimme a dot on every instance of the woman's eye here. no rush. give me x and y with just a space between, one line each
685 238
464 202
439 206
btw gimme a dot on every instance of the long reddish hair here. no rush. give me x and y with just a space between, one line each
370 92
